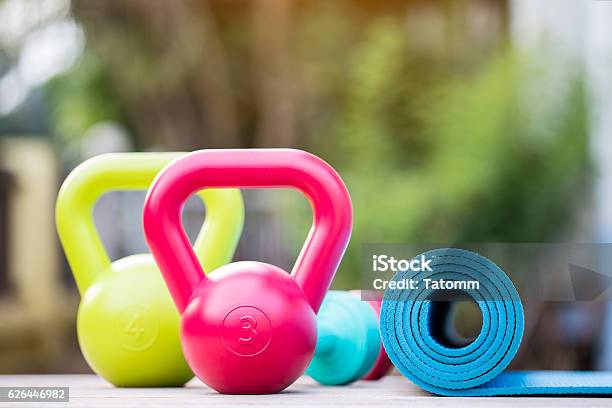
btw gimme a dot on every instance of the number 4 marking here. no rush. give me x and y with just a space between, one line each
135 327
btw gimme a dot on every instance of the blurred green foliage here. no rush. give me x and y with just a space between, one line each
492 155
443 132
83 97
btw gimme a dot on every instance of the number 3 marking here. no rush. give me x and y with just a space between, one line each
249 323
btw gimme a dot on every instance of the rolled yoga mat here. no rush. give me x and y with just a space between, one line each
412 327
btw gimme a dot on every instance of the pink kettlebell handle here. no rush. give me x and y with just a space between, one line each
248 168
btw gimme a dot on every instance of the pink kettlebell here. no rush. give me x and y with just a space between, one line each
248 327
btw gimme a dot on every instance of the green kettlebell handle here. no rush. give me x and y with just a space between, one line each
85 251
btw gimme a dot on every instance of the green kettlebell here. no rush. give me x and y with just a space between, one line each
127 325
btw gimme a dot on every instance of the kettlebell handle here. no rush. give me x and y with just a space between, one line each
249 168
80 191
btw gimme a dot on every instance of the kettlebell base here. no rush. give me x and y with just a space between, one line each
255 325
131 337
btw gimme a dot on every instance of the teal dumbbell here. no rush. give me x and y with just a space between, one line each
349 347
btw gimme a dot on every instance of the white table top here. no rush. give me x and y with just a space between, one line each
391 391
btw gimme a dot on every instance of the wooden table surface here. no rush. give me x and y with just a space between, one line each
392 391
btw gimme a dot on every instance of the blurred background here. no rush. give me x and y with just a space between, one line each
450 121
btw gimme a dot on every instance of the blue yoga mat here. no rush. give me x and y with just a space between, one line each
411 325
